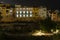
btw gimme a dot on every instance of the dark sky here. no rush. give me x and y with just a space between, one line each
50 4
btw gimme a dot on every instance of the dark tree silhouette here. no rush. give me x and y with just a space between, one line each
48 24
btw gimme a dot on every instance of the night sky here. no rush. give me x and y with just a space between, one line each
50 4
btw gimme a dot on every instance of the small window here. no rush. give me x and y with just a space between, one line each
30 15
23 11
17 12
20 15
27 11
26 15
23 15
17 15
30 11
20 11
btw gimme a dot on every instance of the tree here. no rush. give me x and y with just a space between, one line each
48 24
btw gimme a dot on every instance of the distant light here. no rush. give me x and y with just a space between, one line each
55 32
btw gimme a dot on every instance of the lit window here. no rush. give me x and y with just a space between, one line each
26 15
20 8
23 15
10 10
30 15
23 11
20 11
20 15
27 12
17 15
30 11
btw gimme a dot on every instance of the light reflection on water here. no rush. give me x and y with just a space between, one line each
41 33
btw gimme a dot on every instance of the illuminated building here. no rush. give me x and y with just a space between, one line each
43 13
22 13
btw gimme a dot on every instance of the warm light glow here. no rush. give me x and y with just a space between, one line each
55 32
40 33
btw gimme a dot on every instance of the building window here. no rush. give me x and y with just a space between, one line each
17 15
20 11
27 11
30 13
10 12
20 15
17 12
26 15
24 12
23 15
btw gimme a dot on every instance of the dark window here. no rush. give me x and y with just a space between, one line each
7 10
